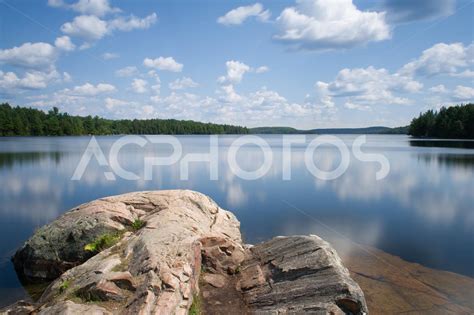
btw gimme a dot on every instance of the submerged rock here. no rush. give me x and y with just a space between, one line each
394 286
157 268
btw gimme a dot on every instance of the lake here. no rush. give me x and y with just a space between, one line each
422 211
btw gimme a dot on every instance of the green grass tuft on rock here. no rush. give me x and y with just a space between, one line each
195 308
64 285
138 224
103 242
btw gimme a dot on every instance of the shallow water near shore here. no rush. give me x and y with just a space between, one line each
422 211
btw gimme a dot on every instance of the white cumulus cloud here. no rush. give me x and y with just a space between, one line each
239 15
92 7
361 87
132 22
464 74
440 59
139 86
127 71
89 89
350 105
148 110
163 63
182 83
262 69
110 103
67 77
31 80
438 89
235 71
88 27
156 88
96 7
229 95
330 24
463 93
108 56
64 43
92 28
30 55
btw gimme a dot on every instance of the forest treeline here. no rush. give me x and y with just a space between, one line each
22 121
452 122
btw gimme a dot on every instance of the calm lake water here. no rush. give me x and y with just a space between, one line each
423 211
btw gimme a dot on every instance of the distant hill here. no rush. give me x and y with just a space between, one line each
367 130
275 130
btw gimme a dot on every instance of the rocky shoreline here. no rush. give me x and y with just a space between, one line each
177 252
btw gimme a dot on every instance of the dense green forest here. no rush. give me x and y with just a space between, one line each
451 122
21 121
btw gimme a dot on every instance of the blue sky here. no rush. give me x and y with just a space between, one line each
305 64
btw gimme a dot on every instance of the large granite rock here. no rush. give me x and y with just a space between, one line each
59 246
157 269
299 275
286 275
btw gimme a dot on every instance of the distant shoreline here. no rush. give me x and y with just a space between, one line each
321 131
23 121
455 122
